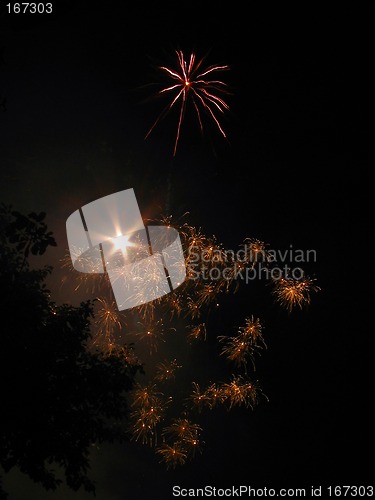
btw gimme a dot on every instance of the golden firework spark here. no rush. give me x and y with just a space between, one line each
249 340
127 352
241 392
192 308
145 396
197 332
92 280
147 310
255 251
184 229
144 424
237 349
175 303
108 322
182 429
198 399
291 292
166 371
192 445
172 455
208 293
195 239
253 331
152 334
108 318
215 395
184 433
149 407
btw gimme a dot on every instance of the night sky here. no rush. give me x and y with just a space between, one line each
79 86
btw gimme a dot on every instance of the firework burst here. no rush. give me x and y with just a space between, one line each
176 440
198 398
185 434
90 281
145 396
172 455
215 395
149 407
166 371
292 292
241 392
193 309
174 302
152 334
197 332
108 317
108 321
144 424
255 251
252 330
127 352
242 348
190 81
182 429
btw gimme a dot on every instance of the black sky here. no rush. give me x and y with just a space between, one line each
295 170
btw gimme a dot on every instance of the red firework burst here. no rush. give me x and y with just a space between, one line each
193 82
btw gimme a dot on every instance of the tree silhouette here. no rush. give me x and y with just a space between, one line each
57 396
